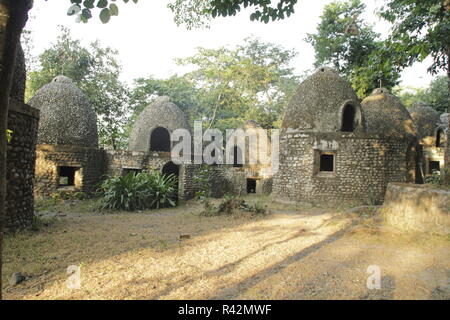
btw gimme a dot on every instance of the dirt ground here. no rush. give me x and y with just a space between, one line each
293 252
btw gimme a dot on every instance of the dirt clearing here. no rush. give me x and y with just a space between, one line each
292 253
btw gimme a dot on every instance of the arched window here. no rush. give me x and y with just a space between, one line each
237 157
440 138
160 140
348 118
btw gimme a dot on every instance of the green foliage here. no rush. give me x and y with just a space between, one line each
82 9
232 205
197 13
439 178
436 95
96 71
8 135
203 195
251 81
138 191
348 43
420 29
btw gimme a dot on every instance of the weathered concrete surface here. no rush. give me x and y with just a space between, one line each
422 208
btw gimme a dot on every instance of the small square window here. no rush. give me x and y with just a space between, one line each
326 163
67 176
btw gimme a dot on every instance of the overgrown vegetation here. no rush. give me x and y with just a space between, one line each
234 205
439 178
138 191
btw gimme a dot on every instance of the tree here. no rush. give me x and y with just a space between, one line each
420 29
13 17
436 95
251 81
96 71
349 44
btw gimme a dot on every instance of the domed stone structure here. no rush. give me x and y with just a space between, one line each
385 115
67 117
432 136
426 120
325 152
152 129
339 106
67 155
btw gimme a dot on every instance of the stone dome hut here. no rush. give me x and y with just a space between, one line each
432 135
152 129
258 171
68 158
67 117
326 153
389 120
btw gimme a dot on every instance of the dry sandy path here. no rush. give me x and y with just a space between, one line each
290 254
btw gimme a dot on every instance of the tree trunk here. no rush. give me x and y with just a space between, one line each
13 16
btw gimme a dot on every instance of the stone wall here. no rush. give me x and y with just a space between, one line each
23 120
90 161
363 167
410 207
118 161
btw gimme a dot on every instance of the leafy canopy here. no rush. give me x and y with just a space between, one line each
96 71
345 41
82 9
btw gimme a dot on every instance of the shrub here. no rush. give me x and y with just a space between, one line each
438 178
233 205
138 191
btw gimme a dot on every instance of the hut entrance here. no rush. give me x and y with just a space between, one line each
171 168
160 140
348 118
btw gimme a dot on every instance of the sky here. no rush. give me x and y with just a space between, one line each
148 40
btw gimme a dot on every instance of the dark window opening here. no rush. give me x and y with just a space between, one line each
126 171
160 140
170 168
67 176
237 158
348 118
439 139
251 186
327 162
433 166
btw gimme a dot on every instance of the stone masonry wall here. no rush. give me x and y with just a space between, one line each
49 158
23 121
410 207
363 166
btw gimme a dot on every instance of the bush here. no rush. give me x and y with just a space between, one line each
138 191
233 205
438 178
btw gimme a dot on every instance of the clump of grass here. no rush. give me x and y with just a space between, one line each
233 205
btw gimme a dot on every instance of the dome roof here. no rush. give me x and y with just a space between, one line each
425 118
161 113
67 117
385 115
20 76
318 103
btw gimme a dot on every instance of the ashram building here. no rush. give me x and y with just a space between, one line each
432 135
333 148
67 153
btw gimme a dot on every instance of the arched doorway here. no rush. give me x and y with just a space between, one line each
171 168
348 118
160 140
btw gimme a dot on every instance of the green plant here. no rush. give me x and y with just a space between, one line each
438 178
203 195
138 191
9 135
